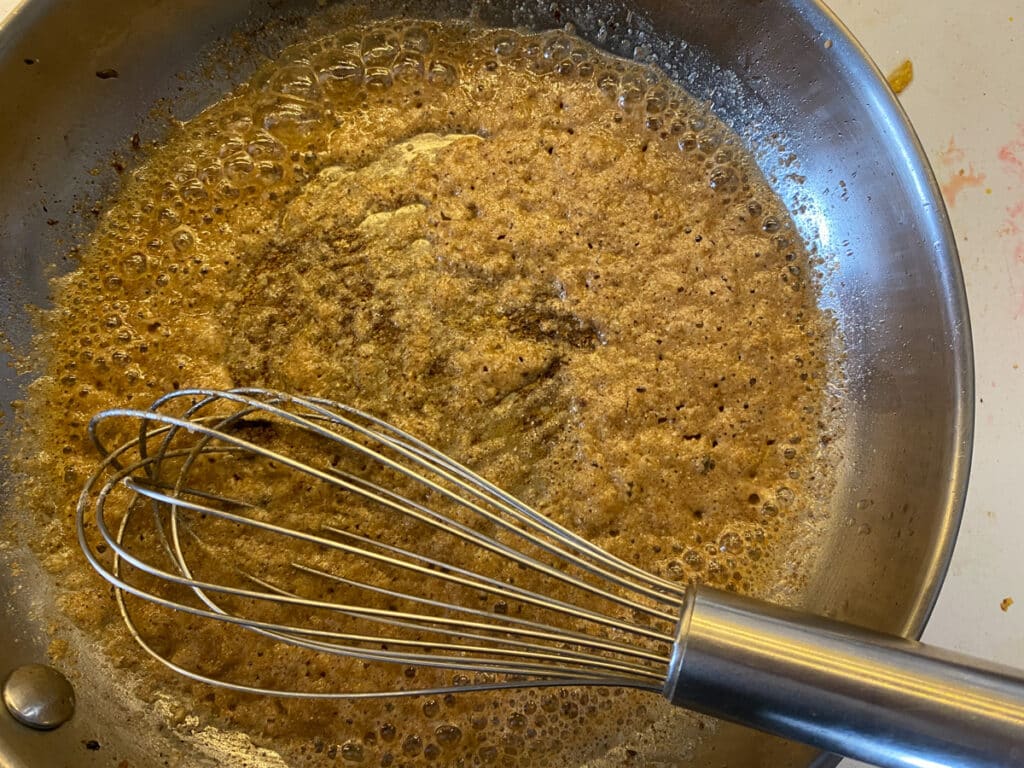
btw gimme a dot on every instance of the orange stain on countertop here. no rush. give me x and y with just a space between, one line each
1012 161
952 154
1011 157
958 178
1011 154
1013 226
959 181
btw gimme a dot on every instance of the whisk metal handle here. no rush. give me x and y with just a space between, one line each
884 700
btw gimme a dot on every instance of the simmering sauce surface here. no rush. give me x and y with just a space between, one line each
554 265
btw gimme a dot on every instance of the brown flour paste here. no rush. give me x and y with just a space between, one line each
550 263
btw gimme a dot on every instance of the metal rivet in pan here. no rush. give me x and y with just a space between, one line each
39 696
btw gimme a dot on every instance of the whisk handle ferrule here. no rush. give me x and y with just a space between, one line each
884 700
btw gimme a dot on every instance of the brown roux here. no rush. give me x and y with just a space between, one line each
553 264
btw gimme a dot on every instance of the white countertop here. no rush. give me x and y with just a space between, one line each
967 103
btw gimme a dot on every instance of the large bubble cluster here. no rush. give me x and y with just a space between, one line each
270 140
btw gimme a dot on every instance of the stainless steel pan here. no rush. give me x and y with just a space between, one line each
783 72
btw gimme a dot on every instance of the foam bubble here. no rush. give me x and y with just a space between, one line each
299 80
380 48
418 39
443 73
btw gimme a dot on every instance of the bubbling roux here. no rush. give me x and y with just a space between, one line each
553 264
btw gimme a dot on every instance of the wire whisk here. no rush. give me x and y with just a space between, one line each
375 547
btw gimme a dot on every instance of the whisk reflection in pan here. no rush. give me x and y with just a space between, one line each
312 525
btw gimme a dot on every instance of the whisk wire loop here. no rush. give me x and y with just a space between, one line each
615 629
